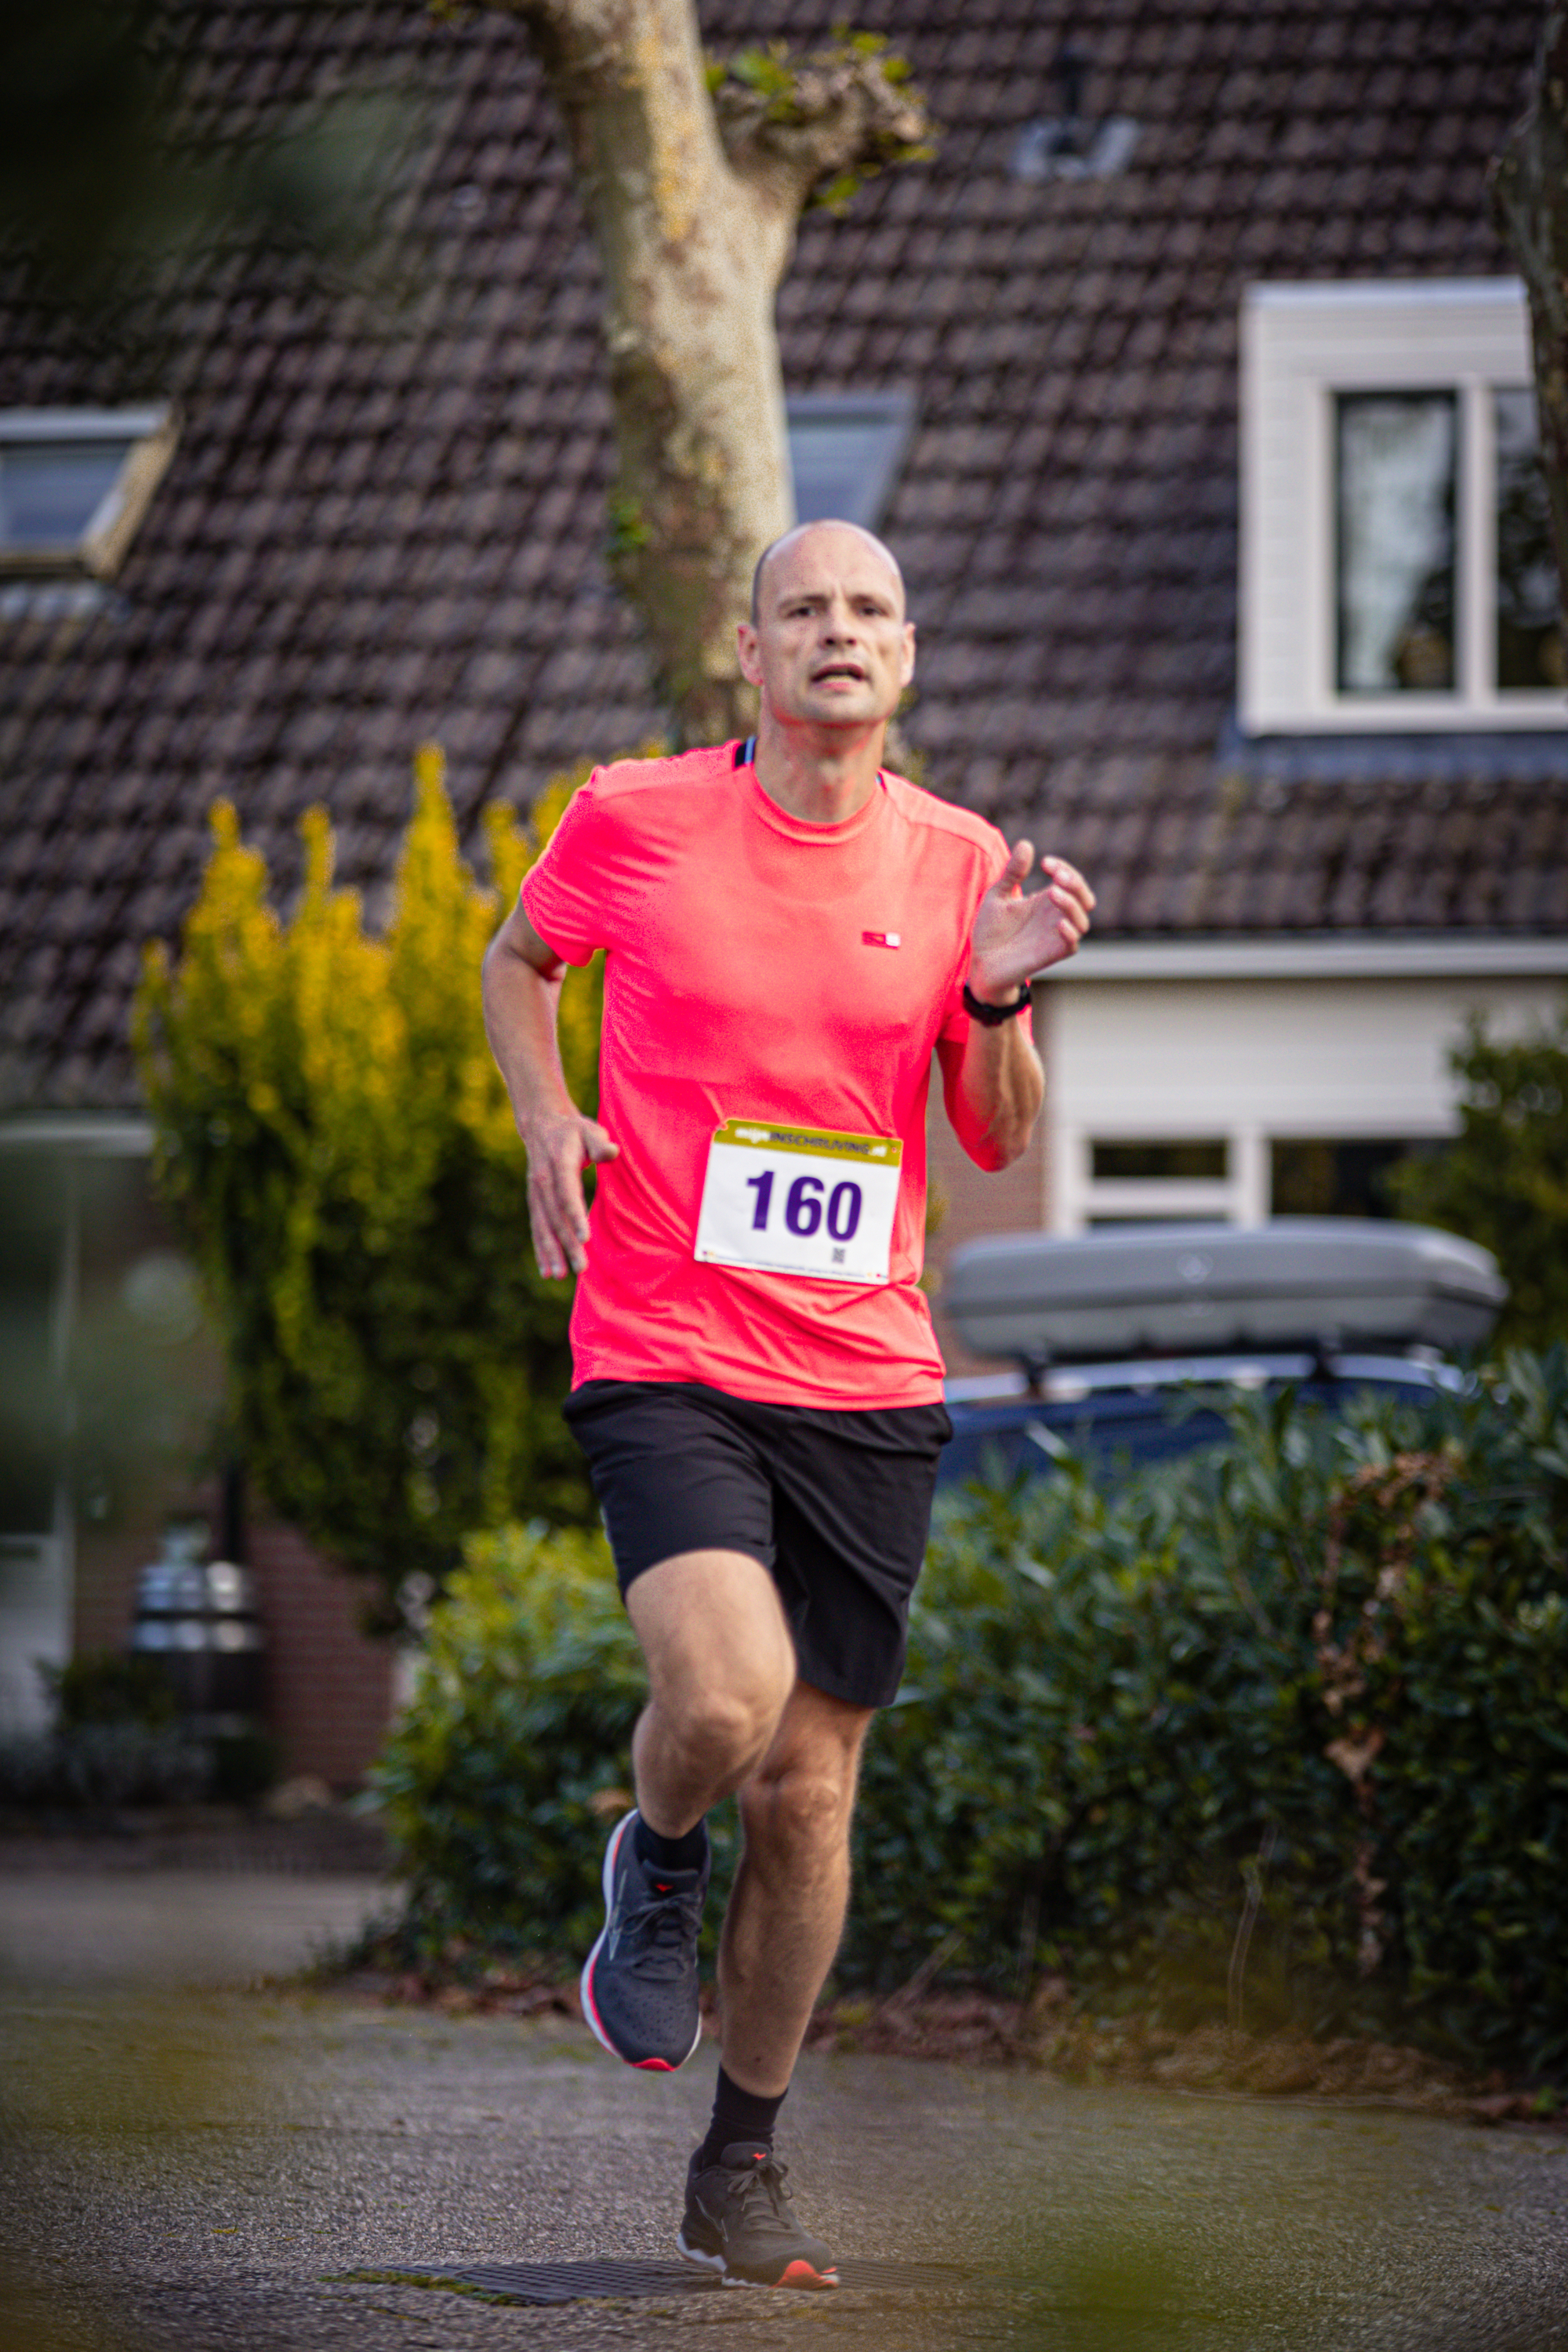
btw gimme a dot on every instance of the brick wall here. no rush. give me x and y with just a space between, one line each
329 1686
1012 1201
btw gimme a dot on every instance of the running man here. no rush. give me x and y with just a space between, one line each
791 933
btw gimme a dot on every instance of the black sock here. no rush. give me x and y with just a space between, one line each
737 2115
687 1853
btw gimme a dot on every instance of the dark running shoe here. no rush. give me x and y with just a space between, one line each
738 2222
639 1981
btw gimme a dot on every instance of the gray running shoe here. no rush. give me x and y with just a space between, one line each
639 1981
738 2223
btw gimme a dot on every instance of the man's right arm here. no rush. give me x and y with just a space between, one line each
522 979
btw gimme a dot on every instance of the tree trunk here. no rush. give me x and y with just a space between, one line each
695 227
1530 188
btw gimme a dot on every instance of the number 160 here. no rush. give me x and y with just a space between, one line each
802 1205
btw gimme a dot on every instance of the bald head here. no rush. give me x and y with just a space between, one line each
804 530
831 646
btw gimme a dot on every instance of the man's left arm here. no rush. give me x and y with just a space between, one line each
992 1080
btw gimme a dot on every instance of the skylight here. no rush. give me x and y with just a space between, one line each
74 484
846 449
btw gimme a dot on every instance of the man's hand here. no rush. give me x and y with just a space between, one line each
559 1145
1014 936
523 994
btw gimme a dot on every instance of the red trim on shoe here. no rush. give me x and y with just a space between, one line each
801 2274
592 2006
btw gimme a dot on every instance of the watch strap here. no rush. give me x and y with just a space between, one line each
992 1017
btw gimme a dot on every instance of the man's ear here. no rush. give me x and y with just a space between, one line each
746 647
907 663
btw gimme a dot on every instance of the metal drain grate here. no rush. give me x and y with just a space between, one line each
583 2282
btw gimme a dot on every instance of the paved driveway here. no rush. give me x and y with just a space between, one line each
204 2172
173 1927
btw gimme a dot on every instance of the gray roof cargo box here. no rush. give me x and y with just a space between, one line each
1318 1283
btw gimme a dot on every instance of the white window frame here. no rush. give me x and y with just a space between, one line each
1239 1197
1300 346
151 431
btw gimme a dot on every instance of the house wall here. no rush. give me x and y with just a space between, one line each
329 1687
1253 1060
117 1334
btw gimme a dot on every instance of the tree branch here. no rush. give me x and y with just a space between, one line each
812 129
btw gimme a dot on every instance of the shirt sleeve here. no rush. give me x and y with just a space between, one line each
568 893
955 1022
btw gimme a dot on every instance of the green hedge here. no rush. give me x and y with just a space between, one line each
499 1777
1328 1661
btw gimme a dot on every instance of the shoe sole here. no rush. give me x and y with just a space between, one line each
797 2275
585 1981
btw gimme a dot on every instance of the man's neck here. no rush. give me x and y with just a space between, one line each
819 776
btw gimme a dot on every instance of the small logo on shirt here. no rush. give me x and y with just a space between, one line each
880 939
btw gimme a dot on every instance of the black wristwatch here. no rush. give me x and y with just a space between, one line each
991 1016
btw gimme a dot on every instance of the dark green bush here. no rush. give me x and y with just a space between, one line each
99 1687
1344 1645
500 1780
1328 1659
118 1739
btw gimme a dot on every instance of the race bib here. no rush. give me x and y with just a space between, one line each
800 1200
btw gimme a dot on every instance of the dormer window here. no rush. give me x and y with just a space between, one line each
74 484
1397 571
845 451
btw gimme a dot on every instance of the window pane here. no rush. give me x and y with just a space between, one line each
50 490
1337 1179
1528 614
845 454
31 1239
1193 1161
1396 464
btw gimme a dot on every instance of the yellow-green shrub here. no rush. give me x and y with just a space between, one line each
338 1148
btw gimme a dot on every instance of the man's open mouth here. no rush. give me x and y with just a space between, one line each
838 669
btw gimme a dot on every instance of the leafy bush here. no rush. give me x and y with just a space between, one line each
1503 1179
1342 1646
337 1145
116 1740
101 1686
499 1779
1326 1662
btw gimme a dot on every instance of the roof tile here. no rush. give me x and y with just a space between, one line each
383 524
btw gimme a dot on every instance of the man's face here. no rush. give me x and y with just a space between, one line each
831 646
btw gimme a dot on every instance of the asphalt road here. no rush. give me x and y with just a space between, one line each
208 2170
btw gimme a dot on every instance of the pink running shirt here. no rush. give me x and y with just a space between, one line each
757 968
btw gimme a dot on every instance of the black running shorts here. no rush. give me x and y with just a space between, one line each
836 1505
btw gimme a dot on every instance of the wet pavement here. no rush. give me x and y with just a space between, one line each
212 2170
187 2164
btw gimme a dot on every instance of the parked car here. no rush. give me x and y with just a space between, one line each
1127 1345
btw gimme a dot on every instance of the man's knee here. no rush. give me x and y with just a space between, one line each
720 1657
801 1806
729 1726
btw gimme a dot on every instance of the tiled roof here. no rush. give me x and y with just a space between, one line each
384 517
